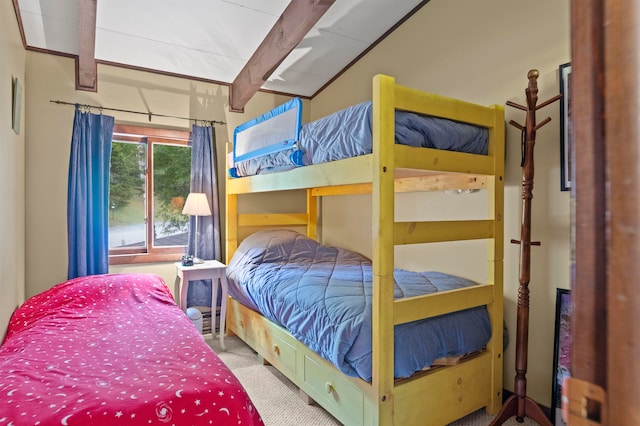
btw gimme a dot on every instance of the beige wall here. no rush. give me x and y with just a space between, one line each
12 165
479 51
49 130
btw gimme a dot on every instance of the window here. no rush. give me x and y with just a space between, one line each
150 174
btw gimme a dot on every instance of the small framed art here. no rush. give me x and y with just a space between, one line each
16 105
561 353
566 132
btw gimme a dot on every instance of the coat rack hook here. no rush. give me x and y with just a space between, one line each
515 105
542 123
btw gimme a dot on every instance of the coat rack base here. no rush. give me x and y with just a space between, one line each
521 407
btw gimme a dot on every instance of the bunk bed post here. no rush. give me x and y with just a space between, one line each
495 259
231 230
312 215
232 226
383 198
231 218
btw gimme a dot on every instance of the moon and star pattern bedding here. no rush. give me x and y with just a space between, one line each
114 349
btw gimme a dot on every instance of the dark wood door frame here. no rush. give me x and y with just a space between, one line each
606 122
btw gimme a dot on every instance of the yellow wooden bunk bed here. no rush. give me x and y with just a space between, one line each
436 396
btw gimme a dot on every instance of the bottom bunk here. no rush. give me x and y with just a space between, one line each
437 396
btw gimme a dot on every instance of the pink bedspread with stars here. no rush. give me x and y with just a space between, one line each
114 350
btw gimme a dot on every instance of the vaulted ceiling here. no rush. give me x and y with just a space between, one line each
294 47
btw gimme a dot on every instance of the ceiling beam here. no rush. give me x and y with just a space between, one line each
86 67
294 23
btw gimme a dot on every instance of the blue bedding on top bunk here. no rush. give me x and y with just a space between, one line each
322 295
348 133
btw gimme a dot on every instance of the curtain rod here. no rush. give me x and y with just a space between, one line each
149 114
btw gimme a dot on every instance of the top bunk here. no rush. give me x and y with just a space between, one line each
429 142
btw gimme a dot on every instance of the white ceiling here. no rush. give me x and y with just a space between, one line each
213 39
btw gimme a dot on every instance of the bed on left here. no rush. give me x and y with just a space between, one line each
114 349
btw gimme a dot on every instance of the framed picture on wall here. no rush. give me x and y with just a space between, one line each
16 104
566 133
561 353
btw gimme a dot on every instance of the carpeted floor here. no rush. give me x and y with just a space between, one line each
277 399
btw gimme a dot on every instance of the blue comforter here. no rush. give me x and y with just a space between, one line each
322 295
348 133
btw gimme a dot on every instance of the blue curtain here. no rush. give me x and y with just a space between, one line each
204 179
88 194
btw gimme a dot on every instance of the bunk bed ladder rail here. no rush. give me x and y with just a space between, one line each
383 200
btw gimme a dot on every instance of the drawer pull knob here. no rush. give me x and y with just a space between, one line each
276 349
328 387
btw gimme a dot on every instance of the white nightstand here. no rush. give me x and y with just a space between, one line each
209 269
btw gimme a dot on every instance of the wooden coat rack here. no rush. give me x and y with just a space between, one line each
519 404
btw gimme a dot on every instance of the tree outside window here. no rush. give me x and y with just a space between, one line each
150 175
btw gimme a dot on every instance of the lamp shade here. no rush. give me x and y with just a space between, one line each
197 205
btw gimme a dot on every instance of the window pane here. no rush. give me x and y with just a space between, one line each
127 196
171 176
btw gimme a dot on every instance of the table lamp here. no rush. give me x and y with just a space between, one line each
197 205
